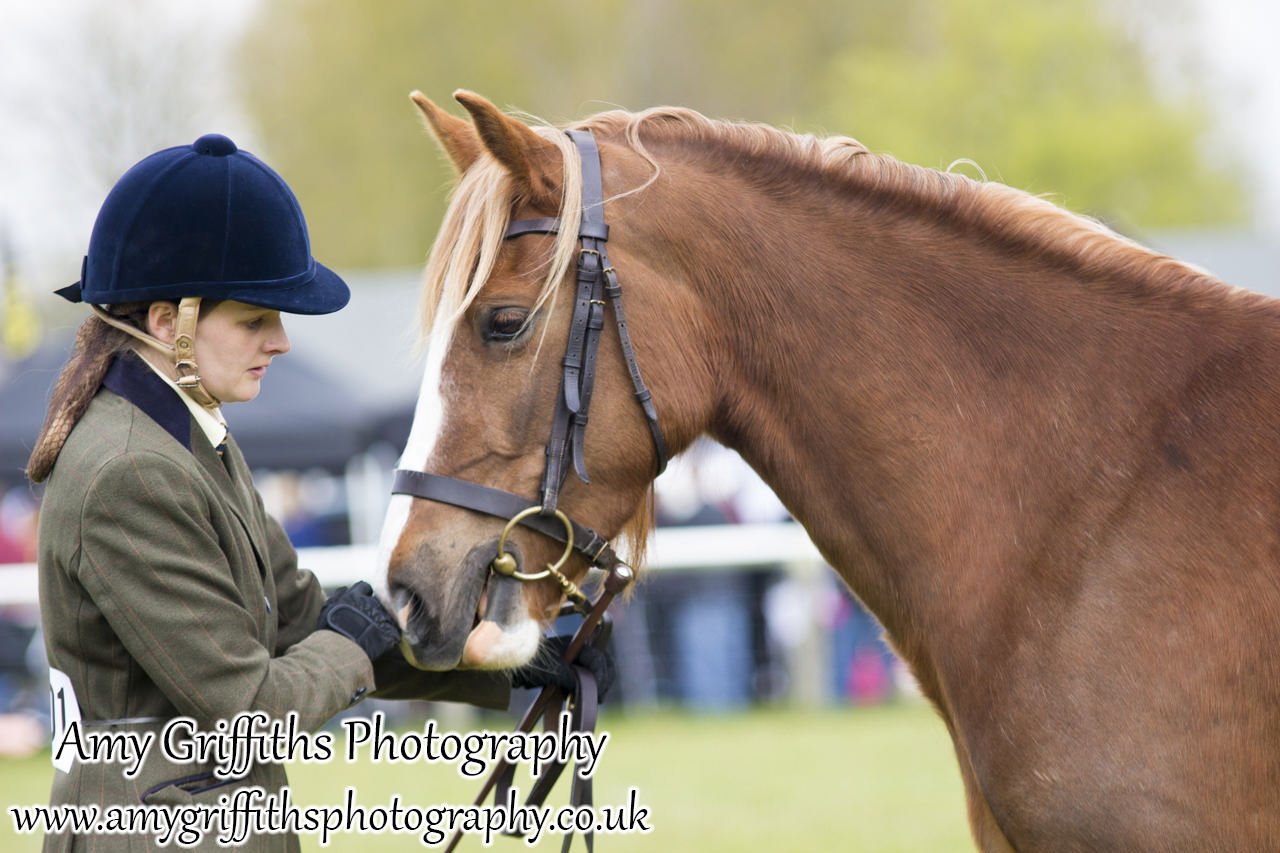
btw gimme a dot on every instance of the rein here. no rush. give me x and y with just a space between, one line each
597 281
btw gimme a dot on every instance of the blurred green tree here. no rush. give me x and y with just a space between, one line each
1047 96
1044 95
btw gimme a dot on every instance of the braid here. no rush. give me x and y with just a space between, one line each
96 346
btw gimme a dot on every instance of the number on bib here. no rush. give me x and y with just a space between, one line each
64 710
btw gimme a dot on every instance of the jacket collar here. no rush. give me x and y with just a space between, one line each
140 385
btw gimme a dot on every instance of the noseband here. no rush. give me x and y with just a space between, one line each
597 281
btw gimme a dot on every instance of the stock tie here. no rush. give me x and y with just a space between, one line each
221 450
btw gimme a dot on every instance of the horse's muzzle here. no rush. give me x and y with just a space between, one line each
463 616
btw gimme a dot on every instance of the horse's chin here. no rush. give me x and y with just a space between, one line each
494 646
505 635
488 646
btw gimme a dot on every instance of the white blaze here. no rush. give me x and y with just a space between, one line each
428 417
490 645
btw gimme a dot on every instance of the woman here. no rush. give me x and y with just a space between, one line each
166 590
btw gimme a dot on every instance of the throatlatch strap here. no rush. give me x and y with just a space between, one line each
613 290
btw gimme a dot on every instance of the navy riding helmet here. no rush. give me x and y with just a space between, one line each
205 220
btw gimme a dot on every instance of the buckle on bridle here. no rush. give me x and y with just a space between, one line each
188 375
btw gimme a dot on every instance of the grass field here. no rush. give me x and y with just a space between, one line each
879 779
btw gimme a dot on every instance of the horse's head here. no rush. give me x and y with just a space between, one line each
499 310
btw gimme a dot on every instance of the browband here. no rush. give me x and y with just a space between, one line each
551 225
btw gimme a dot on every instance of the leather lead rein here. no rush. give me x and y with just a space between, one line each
595 629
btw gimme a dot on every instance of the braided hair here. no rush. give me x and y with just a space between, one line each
97 345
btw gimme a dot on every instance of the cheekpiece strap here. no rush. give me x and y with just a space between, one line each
184 353
596 282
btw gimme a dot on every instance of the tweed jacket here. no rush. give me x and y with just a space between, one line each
167 591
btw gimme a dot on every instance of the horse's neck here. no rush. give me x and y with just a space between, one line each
922 404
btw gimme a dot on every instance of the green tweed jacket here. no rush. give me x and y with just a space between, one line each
166 590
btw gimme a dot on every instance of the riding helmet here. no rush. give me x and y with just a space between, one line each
205 220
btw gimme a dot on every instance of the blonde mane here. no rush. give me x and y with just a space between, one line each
1025 223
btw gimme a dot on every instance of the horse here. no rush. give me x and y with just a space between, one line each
1044 456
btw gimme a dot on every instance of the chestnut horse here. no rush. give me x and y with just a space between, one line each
1046 458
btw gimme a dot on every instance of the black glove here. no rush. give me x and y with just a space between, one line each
357 615
550 668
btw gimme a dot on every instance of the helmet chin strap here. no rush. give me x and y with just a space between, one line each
182 350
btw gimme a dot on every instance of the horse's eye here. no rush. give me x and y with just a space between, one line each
506 324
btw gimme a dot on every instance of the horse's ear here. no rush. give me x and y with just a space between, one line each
456 136
534 162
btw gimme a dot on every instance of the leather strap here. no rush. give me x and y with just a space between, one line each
569 401
584 713
596 280
550 225
504 505
146 337
184 353
613 290
181 351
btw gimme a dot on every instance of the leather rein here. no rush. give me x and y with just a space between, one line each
597 287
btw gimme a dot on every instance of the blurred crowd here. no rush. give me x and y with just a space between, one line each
19 516
24 712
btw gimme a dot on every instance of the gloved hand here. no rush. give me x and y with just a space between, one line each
357 615
550 667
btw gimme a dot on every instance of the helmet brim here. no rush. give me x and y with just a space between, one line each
323 293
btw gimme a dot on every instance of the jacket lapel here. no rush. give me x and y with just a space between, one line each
231 475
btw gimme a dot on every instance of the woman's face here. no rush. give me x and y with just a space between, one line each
234 344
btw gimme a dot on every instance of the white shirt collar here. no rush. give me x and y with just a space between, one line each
210 421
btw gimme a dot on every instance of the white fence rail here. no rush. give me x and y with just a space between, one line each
713 548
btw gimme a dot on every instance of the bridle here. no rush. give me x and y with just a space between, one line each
597 281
